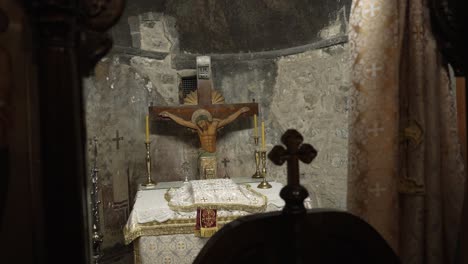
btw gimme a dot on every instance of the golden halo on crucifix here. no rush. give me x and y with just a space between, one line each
192 98
199 115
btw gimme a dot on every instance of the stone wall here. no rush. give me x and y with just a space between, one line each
303 87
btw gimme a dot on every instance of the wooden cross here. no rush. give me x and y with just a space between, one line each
293 194
117 139
204 88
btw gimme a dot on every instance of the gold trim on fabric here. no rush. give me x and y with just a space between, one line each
221 206
171 227
414 133
411 187
136 252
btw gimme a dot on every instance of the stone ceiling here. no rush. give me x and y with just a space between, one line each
226 26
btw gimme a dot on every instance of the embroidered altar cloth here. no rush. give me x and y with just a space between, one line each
161 235
220 194
151 215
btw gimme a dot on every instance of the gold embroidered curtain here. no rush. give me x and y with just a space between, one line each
406 172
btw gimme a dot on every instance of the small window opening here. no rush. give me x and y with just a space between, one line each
187 85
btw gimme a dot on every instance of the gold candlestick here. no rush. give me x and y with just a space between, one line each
257 174
150 183
264 184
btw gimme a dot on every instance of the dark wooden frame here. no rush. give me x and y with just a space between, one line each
64 39
67 40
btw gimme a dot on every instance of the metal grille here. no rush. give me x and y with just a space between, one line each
187 85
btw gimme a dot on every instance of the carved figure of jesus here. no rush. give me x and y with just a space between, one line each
205 125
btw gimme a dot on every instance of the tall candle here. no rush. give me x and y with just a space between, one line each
263 135
147 128
255 126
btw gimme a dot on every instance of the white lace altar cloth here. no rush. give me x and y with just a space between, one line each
173 249
220 194
151 215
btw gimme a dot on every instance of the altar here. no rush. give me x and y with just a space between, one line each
171 221
162 235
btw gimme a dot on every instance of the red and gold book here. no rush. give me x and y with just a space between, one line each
206 225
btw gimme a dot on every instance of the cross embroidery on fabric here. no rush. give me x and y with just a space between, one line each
418 32
371 9
377 190
167 260
253 201
375 130
181 245
374 69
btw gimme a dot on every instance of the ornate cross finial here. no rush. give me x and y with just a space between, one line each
294 194
295 151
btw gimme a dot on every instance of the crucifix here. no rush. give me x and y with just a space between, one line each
205 112
294 194
117 139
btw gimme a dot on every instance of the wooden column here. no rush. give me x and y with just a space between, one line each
462 114
462 127
62 132
19 199
69 39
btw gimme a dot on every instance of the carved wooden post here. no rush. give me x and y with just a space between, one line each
293 193
5 86
70 36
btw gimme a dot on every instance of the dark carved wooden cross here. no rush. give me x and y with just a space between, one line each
204 89
117 139
294 194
